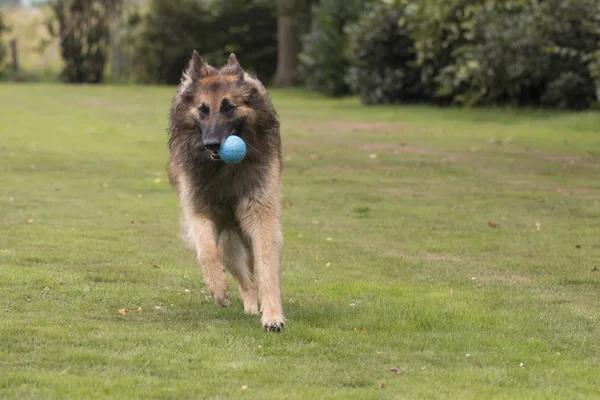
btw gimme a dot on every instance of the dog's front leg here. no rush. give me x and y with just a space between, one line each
203 234
260 221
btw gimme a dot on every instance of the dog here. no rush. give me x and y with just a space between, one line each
230 213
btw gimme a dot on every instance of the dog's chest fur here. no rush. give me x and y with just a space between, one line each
218 188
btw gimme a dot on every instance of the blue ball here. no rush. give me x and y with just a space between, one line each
233 150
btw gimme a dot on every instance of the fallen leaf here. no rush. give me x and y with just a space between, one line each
552 372
122 311
474 278
157 180
83 171
480 285
537 226
244 387
379 352
590 316
329 239
7 310
288 158
364 331
315 157
4 251
156 266
31 221
373 156
133 221
396 371
422 369
315 221
139 309
381 384
521 365
139 196
493 224
105 185
32 166
328 264
10 199
300 235
317 258
451 291
24 384
468 355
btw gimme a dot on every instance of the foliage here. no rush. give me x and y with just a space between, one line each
324 60
382 56
477 52
83 32
534 53
438 28
3 50
171 30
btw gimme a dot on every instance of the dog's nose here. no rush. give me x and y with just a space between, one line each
213 145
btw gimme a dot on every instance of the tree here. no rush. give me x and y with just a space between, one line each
290 14
83 31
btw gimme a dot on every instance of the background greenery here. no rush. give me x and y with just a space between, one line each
540 53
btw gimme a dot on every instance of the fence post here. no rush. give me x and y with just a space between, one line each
15 60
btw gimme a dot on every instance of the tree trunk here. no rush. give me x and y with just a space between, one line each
288 42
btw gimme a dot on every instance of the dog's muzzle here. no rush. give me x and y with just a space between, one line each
213 147
214 155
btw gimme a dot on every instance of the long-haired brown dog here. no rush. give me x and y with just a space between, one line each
230 212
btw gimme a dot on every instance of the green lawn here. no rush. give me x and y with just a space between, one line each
390 260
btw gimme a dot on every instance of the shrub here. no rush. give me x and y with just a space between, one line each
382 56
531 53
166 36
324 61
83 31
3 51
438 28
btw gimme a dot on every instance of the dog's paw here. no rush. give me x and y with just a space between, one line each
251 309
221 300
273 324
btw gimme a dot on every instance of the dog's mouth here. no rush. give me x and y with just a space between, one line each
214 155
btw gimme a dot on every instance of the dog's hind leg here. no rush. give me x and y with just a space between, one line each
237 262
202 234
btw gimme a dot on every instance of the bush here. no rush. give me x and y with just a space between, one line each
3 51
83 30
531 53
438 28
166 36
324 62
382 56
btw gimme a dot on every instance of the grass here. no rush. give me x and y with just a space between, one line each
390 259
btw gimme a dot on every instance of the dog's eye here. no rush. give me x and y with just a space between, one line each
227 106
203 109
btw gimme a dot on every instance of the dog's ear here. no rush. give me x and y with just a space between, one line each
234 65
197 69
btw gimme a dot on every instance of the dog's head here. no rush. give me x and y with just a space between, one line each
212 104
